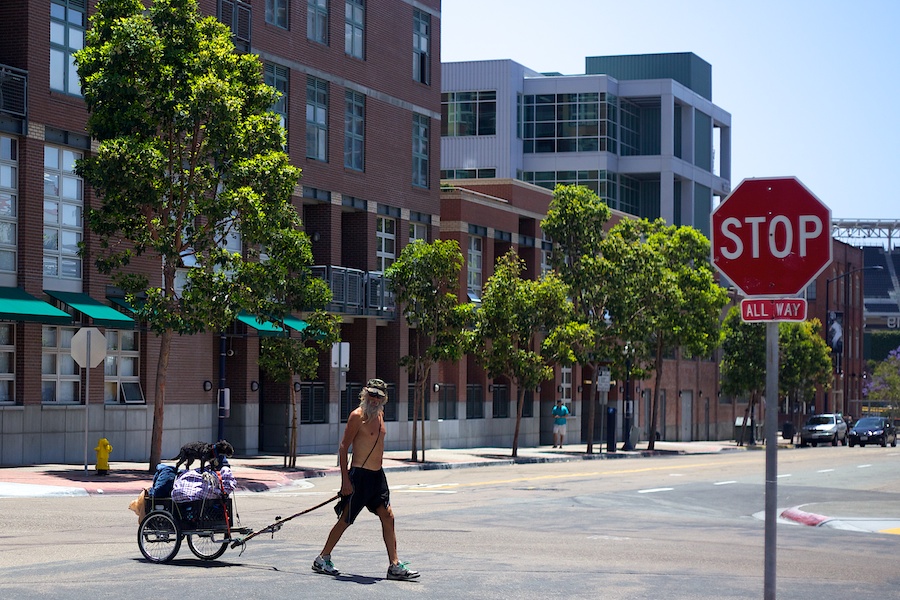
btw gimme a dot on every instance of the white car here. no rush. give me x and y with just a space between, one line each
824 428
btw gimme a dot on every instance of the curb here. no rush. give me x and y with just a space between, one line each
804 518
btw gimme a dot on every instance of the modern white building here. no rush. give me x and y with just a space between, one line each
642 131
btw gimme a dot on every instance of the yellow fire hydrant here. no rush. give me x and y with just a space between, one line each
103 450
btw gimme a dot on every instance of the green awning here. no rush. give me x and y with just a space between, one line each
122 302
102 315
295 323
263 328
18 305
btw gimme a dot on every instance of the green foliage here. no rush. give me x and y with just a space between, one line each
884 383
880 343
804 359
424 279
513 313
743 366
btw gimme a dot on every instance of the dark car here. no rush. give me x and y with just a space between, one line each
826 428
873 430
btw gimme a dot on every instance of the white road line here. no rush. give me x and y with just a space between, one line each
425 491
863 466
676 474
725 482
824 470
653 490
785 475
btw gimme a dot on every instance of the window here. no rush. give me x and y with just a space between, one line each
277 77
63 205
528 404
474 401
354 131
385 243
473 266
9 204
238 16
565 374
313 403
277 12
418 231
317 21
121 368
468 113
584 122
420 150
501 401
447 403
60 379
316 119
355 28
7 363
546 254
489 173
421 47
67 20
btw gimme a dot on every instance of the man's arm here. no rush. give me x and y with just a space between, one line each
350 431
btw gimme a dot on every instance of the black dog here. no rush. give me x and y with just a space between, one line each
204 452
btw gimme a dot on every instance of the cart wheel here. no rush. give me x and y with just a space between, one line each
205 546
159 537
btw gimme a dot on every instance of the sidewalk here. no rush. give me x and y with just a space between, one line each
264 472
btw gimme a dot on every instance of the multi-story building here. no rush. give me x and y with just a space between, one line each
361 105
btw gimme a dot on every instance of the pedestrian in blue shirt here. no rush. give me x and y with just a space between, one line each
560 412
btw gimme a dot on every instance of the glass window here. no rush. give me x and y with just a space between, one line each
317 20
316 119
277 12
468 113
566 383
354 131
501 401
421 47
60 374
63 213
385 243
473 265
277 77
447 403
67 21
9 204
420 150
474 401
122 368
418 231
355 28
7 363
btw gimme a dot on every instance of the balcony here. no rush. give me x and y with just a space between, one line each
356 292
13 92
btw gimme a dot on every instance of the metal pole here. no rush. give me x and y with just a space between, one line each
629 408
87 396
771 457
827 325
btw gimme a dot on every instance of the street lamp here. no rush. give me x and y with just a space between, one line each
629 405
829 323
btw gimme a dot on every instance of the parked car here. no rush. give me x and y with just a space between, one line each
873 430
824 428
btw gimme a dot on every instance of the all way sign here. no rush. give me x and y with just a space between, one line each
756 310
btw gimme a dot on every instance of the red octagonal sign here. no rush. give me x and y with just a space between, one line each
771 237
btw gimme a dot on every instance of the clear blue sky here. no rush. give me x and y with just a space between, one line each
812 85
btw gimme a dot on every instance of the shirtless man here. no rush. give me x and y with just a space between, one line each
363 484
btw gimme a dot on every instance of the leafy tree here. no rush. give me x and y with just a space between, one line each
884 383
189 158
679 302
513 313
804 360
424 279
576 221
743 366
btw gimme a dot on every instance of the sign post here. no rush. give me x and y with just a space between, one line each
88 348
771 237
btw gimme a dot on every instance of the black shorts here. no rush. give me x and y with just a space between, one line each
370 490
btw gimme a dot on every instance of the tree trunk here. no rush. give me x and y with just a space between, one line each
162 367
520 405
417 393
654 410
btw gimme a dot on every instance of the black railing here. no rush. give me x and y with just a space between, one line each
357 292
13 91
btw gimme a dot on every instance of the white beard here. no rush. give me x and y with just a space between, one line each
370 408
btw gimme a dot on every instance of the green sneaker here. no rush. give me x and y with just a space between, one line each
399 572
324 566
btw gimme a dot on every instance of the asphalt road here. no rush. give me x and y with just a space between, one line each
665 527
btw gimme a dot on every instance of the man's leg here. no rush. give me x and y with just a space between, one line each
387 531
336 532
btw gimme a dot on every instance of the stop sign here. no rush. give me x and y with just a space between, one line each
88 347
771 236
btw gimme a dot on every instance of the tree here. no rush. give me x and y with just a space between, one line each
513 313
575 222
884 383
680 302
804 361
423 280
743 366
190 158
